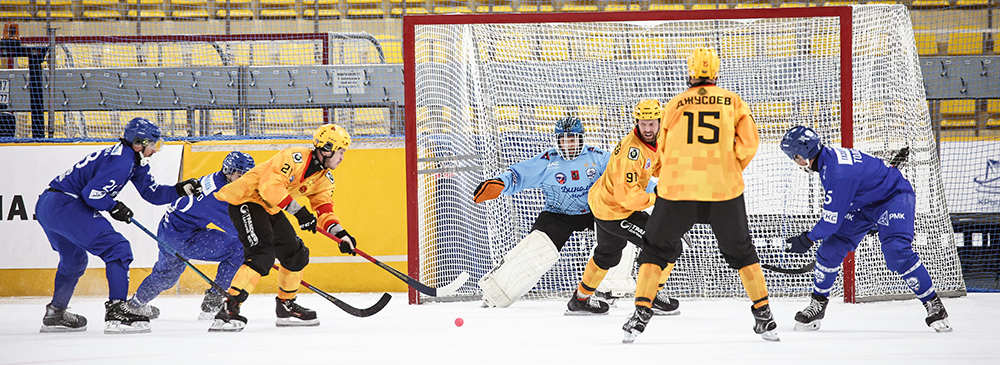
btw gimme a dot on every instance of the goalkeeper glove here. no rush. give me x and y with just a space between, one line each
487 190
798 244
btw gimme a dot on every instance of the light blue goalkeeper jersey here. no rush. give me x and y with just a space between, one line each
564 183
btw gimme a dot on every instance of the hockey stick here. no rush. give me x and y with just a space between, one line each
357 312
434 292
169 249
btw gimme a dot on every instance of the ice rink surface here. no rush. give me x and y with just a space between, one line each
529 332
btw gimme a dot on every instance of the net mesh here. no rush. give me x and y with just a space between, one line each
488 96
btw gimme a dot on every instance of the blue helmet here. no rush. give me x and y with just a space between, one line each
802 141
140 130
569 137
237 161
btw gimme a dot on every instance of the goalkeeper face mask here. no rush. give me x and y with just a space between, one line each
570 145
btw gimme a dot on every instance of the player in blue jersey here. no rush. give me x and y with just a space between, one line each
862 193
69 213
185 230
565 174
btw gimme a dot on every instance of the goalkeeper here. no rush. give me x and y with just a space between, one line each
256 200
565 173
707 139
862 193
617 200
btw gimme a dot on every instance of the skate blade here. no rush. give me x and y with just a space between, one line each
583 313
941 326
771 335
224 326
811 326
118 328
206 316
295 322
630 336
57 329
658 312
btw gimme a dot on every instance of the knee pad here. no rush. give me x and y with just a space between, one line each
899 258
297 260
261 263
519 271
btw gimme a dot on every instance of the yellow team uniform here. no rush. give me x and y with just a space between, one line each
276 182
621 190
702 158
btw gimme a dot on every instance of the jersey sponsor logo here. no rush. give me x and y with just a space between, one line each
575 175
560 178
849 217
591 173
648 164
632 228
116 150
886 217
297 157
248 224
843 156
829 216
633 153
97 194
913 283
303 188
545 156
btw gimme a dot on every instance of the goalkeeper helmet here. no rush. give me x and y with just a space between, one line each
237 161
647 109
331 137
802 141
569 137
141 131
703 63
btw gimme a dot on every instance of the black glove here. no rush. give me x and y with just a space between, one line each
798 244
347 242
121 213
307 221
188 187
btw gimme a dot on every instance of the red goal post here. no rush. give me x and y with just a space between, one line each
455 118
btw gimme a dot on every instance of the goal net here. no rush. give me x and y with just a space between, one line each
484 91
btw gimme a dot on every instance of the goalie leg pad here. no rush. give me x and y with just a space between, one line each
519 270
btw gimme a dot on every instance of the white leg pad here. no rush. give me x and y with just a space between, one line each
519 270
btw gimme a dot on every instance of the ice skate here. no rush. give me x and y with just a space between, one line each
937 317
229 319
764 326
118 319
290 314
664 305
809 318
147 310
211 305
586 307
636 324
60 320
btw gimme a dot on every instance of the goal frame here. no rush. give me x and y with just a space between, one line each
410 22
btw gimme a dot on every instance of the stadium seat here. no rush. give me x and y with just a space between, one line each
993 111
772 115
929 4
494 6
150 9
973 3
549 112
738 45
667 5
598 47
579 6
189 9
753 5
840 3
516 49
825 43
322 8
709 6
506 112
365 9
535 8
61 9
649 48
100 9
15 9
795 5
452 9
959 113
554 49
238 9
272 9
392 48
617 6
591 113
297 54
964 41
926 42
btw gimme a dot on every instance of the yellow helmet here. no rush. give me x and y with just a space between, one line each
703 62
331 137
647 109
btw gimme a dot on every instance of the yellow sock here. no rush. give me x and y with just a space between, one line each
646 284
664 275
753 281
592 277
288 283
244 281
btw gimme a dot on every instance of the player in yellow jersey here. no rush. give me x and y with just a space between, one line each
256 200
707 138
617 200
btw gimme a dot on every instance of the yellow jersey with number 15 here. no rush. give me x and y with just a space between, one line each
621 190
274 183
707 138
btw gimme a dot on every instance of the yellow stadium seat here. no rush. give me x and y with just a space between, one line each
709 6
996 43
738 45
392 48
753 5
15 9
496 9
513 49
61 9
535 8
649 48
550 112
579 6
506 112
413 10
795 5
592 113
277 9
926 43
554 49
826 43
662 7
238 9
149 9
452 10
964 42
320 8
599 48
189 9
840 3
973 3
960 113
622 7
365 9
929 3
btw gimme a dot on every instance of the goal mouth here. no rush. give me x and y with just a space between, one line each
483 92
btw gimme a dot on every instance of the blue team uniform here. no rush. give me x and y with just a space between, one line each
184 229
564 183
864 193
69 213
